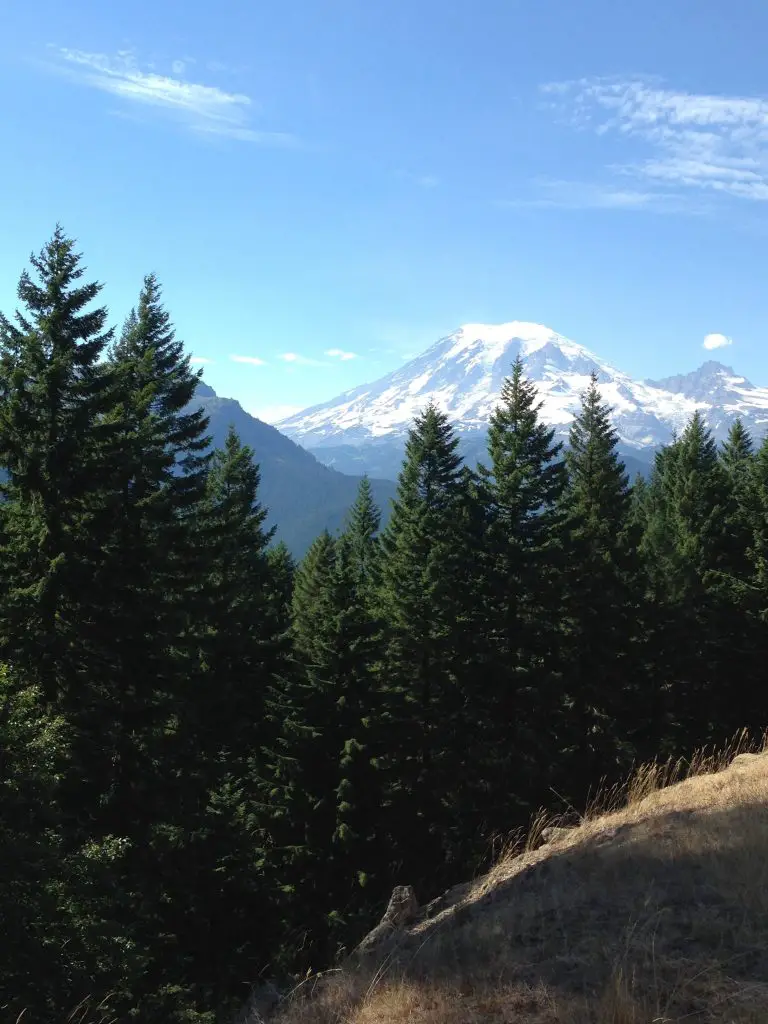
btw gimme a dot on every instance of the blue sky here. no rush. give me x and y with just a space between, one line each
325 188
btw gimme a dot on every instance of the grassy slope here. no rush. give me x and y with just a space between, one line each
653 911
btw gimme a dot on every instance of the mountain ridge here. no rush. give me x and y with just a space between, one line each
462 374
302 495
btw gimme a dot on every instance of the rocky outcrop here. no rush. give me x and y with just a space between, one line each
402 909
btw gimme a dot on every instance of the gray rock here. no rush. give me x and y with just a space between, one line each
402 908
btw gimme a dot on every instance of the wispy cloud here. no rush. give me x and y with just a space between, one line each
200 361
298 360
689 141
575 195
204 108
717 341
339 353
250 360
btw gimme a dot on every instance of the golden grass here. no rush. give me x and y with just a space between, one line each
652 910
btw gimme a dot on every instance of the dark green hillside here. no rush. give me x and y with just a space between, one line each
303 496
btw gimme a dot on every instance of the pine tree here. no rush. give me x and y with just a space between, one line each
323 795
282 570
32 756
425 598
522 554
737 459
240 646
240 633
741 636
602 604
58 899
757 588
56 449
309 589
692 542
148 578
362 529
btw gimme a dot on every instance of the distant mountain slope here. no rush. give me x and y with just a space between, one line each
463 374
302 495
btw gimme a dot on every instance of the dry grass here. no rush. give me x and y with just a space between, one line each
86 1012
652 910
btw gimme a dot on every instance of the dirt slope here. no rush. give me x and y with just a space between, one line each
656 912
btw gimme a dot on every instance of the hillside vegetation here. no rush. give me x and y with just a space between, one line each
216 763
303 497
653 912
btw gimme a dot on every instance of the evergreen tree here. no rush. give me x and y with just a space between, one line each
32 756
310 589
241 648
324 798
602 605
425 598
755 593
362 532
737 460
240 634
57 897
694 546
127 745
152 561
282 570
522 554
56 450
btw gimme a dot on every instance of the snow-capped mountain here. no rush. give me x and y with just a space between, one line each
462 374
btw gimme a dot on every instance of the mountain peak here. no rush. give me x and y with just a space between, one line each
463 374
204 390
712 381
713 366
495 339
523 330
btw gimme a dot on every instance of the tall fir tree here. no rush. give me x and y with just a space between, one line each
757 586
143 633
323 799
737 459
241 633
695 542
282 570
362 533
601 624
522 552
56 447
149 576
425 601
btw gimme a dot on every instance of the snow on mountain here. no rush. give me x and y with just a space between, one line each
463 373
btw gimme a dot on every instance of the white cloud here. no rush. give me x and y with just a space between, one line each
717 341
275 413
691 141
200 360
205 108
339 353
250 360
299 360
279 139
575 195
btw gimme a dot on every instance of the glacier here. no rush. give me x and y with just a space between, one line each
462 374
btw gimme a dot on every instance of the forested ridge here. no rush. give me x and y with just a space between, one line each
215 764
